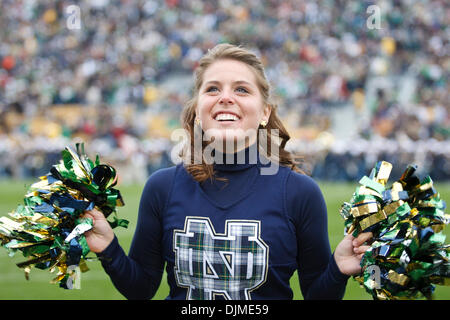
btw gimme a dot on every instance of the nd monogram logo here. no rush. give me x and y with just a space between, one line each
231 264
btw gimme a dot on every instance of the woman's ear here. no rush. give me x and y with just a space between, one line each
196 113
266 112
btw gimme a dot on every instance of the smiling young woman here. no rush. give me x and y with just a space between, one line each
225 230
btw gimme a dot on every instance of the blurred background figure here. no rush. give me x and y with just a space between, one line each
350 95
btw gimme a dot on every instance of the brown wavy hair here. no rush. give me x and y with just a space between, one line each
203 171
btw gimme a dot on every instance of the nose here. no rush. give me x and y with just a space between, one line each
226 98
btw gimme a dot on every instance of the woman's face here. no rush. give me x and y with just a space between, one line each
229 101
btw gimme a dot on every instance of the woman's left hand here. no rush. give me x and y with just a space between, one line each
349 252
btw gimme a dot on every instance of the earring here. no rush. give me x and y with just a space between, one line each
264 123
197 121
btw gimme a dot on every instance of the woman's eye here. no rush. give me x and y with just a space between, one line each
242 89
212 89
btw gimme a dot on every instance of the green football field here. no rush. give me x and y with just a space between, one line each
95 284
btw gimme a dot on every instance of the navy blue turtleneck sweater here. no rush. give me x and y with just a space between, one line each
239 239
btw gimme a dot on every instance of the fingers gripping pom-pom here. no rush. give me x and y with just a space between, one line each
49 227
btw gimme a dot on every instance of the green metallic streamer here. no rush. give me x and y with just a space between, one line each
408 255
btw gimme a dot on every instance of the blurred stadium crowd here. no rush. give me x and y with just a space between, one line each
120 81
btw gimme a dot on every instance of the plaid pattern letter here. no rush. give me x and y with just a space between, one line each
231 264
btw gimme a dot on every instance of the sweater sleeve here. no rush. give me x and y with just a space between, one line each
319 275
138 275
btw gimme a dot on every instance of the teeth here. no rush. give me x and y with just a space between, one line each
226 116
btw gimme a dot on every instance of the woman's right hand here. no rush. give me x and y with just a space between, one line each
101 235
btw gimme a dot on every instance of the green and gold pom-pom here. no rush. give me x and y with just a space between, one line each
48 228
408 255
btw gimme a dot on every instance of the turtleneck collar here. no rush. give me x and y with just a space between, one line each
236 161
